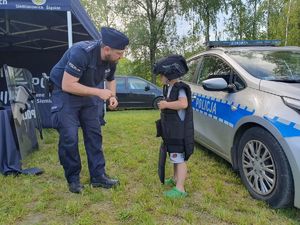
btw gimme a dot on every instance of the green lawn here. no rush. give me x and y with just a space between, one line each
216 195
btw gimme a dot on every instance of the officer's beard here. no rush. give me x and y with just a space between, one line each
109 59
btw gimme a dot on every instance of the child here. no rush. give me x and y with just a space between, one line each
176 123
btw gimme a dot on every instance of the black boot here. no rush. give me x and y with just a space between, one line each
76 187
104 181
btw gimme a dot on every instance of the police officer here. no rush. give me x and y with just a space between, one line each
75 102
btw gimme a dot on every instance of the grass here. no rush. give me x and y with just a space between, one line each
216 195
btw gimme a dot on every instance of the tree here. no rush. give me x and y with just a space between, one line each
272 11
102 12
295 21
236 23
205 11
146 22
254 18
281 17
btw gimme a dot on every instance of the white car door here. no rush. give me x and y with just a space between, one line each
214 111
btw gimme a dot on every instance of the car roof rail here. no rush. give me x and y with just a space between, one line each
242 43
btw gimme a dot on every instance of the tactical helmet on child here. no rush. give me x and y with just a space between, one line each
172 67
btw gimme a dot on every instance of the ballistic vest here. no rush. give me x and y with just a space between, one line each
175 131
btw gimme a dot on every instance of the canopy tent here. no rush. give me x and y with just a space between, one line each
34 34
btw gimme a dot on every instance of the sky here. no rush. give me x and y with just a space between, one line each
184 26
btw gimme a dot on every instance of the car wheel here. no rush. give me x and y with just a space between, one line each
156 101
264 168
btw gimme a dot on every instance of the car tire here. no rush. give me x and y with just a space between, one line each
264 168
156 101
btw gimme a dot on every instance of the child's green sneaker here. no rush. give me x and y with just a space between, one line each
175 193
170 181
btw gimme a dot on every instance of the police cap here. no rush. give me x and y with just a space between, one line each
114 38
173 66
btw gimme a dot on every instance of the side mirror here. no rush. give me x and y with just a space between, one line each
147 88
215 84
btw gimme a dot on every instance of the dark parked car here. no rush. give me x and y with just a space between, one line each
135 92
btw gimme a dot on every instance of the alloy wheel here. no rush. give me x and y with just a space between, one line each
259 167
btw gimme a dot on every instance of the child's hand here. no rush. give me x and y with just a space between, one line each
162 104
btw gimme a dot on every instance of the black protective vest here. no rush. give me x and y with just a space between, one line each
173 130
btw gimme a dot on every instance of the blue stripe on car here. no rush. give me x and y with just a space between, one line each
287 129
230 113
226 112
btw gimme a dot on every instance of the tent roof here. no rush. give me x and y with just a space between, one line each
34 35
35 25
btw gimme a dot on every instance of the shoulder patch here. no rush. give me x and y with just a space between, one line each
74 67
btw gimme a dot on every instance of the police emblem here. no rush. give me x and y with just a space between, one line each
39 2
106 72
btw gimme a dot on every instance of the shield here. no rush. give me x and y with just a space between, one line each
162 163
24 109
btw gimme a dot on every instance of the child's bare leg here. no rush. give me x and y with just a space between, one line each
181 173
175 172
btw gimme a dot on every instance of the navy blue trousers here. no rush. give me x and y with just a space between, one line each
68 112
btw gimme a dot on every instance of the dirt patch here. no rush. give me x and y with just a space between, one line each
30 219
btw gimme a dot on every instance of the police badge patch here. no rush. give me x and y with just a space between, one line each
107 72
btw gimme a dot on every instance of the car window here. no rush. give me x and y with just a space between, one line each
237 81
120 84
190 75
213 67
270 65
136 84
152 87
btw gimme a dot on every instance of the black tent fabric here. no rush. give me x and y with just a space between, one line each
34 35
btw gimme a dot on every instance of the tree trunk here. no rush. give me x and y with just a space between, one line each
254 21
268 20
152 49
152 61
287 23
207 25
241 22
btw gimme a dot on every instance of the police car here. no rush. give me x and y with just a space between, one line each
246 104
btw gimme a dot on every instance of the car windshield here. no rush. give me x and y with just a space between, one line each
281 66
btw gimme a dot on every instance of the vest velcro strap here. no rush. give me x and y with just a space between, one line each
170 141
169 111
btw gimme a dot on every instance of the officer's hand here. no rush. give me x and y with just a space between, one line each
104 94
162 104
113 103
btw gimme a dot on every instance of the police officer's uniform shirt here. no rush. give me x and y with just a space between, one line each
182 94
83 60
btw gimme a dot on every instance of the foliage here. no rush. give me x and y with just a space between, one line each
152 25
205 11
265 19
102 12
148 23
236 24
136 68
281 18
